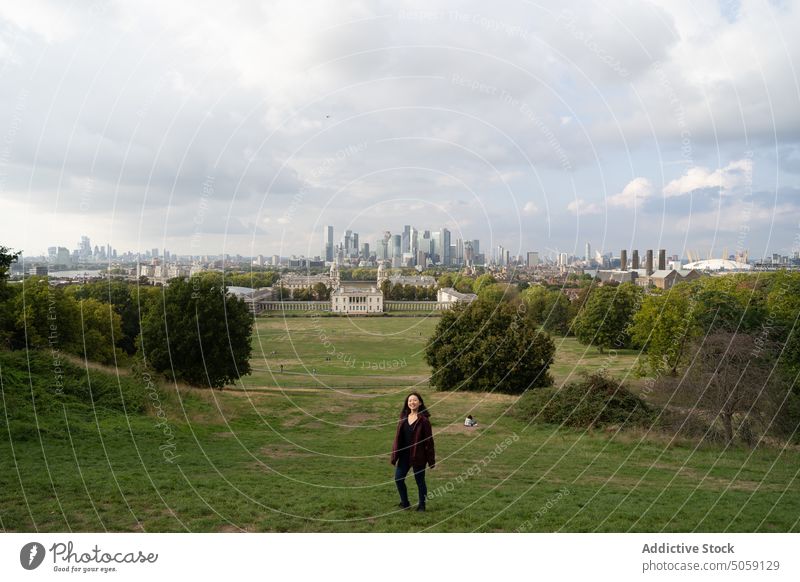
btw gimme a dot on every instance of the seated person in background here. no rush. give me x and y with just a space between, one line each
470 421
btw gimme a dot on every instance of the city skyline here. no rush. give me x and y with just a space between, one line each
86 251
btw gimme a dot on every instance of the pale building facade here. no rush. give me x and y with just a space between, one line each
447 297
293 281
357 301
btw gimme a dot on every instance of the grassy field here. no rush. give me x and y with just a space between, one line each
340 352
335 352
288 453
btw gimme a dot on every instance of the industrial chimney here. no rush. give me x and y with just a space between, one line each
662 259
648 262
623 260
635 260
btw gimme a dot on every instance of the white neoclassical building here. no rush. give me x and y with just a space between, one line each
357 301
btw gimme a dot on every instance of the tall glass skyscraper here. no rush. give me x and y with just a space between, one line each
327 237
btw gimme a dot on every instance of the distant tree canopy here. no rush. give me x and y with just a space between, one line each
483 281
123 297
727 304
605 318
668 322
782 322
198 332
445 281
48 317
318 292
549 309
489 346
400 292
7 258
497 292
464 284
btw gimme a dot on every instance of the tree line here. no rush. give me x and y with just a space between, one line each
728 345
192 330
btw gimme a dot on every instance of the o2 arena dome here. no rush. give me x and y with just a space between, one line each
717 265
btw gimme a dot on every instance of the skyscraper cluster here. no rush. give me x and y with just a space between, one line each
410 248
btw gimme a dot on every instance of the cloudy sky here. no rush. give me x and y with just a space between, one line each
210 127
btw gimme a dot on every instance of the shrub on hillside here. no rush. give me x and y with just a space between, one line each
596 400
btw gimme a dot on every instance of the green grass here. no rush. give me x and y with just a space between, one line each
345 352
313 458
381 352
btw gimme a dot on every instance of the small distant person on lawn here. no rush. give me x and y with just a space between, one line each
413 448
469 421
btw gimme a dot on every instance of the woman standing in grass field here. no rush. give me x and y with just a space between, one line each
413 448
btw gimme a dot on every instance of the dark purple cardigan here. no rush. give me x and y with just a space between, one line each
421 448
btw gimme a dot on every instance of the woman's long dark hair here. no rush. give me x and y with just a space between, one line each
421 410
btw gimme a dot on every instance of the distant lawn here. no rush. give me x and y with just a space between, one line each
340 352
574 359
381 351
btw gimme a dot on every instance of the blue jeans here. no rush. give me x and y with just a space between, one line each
400 472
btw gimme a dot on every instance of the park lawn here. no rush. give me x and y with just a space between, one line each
285 452
383 352
574 359
317 460
339 352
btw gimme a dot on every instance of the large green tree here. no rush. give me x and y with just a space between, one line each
6 295
483 281
665 327
604 319
488 346
45 317
100 326
198 332
122 295
728 304
782 321
6 260
550 309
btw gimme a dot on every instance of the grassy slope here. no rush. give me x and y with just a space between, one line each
317 460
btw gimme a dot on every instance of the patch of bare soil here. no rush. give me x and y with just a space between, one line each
283 451
232 528
456 428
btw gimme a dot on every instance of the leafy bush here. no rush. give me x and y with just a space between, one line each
596 400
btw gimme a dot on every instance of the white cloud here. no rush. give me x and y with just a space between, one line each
637 191
51 20
580 206
529 208
733 175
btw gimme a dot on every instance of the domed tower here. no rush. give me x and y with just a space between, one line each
334 276
381 273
